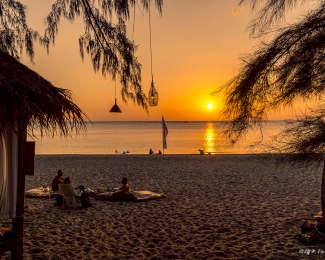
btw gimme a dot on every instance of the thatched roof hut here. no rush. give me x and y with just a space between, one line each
27 97
27 102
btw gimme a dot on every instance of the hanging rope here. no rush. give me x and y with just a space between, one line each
150 39
133 21
115 88
115 108
153 94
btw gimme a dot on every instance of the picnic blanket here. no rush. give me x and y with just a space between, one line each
46 192
143 195
41 192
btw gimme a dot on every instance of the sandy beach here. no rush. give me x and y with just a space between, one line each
216 207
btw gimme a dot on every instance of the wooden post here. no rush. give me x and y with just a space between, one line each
322 226
17 223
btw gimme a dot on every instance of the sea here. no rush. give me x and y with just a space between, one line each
137 137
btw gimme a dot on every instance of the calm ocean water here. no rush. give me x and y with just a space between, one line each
139 137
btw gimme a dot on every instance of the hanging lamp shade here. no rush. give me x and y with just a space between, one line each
115 108
153 95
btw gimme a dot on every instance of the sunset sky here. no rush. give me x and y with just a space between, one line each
196 48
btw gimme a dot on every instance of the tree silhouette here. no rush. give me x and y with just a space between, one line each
15 35
106 42
288 68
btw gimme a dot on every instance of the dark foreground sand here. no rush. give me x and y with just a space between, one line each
217 207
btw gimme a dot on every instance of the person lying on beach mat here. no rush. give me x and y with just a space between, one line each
125 193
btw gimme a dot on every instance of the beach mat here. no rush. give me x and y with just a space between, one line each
143 195
41 192
46 192
146 195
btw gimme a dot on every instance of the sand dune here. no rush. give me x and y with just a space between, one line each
217 207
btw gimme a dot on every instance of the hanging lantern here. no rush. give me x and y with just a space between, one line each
153 95
115 108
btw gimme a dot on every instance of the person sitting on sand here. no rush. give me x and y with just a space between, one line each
67 182
57 180
151 151
124 192
125 186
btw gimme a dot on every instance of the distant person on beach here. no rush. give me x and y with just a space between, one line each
159 152
57 180
151 151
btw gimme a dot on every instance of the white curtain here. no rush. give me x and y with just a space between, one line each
8 174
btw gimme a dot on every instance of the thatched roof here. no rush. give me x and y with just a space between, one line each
27 97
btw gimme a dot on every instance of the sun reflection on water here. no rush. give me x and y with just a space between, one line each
210 139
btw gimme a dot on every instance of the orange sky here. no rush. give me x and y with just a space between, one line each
196 48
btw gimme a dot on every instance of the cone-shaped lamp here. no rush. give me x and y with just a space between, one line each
115 108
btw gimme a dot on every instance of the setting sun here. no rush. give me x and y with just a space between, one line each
209 106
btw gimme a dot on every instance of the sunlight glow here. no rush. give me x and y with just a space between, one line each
209 106
210 139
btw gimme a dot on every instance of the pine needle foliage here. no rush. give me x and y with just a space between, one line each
15 35
288 68
106 42
305 137
104 39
